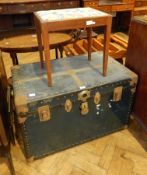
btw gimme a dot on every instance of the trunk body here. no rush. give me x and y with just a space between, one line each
82 104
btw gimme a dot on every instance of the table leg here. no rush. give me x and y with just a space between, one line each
89 38
45 38
107 33
61 51
13 55
56 52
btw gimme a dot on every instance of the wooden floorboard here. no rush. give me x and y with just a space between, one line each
120 153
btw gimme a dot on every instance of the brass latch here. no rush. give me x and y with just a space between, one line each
84 95
117 93
97 98
84 108
44 113
68 105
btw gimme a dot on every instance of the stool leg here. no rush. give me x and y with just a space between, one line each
13 55
45 39
107 32
40 47
39 39
89 38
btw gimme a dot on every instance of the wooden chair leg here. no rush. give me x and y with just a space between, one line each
13 55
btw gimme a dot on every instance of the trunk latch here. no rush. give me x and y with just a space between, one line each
83 96
68 105
84 108
117 93
97 98
44 113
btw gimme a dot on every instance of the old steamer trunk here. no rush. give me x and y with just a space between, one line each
82 104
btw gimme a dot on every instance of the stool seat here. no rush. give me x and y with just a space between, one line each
21 41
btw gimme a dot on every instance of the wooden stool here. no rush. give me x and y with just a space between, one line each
67 19
22 41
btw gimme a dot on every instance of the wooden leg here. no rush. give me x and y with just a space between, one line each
107 33
56 52
39 39
45 38
89 38
11 167
40 47
61 51
13 55
120 60
5 152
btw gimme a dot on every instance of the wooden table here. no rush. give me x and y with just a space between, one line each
110 5
22 41
122 10
29 6
66 19
15 13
